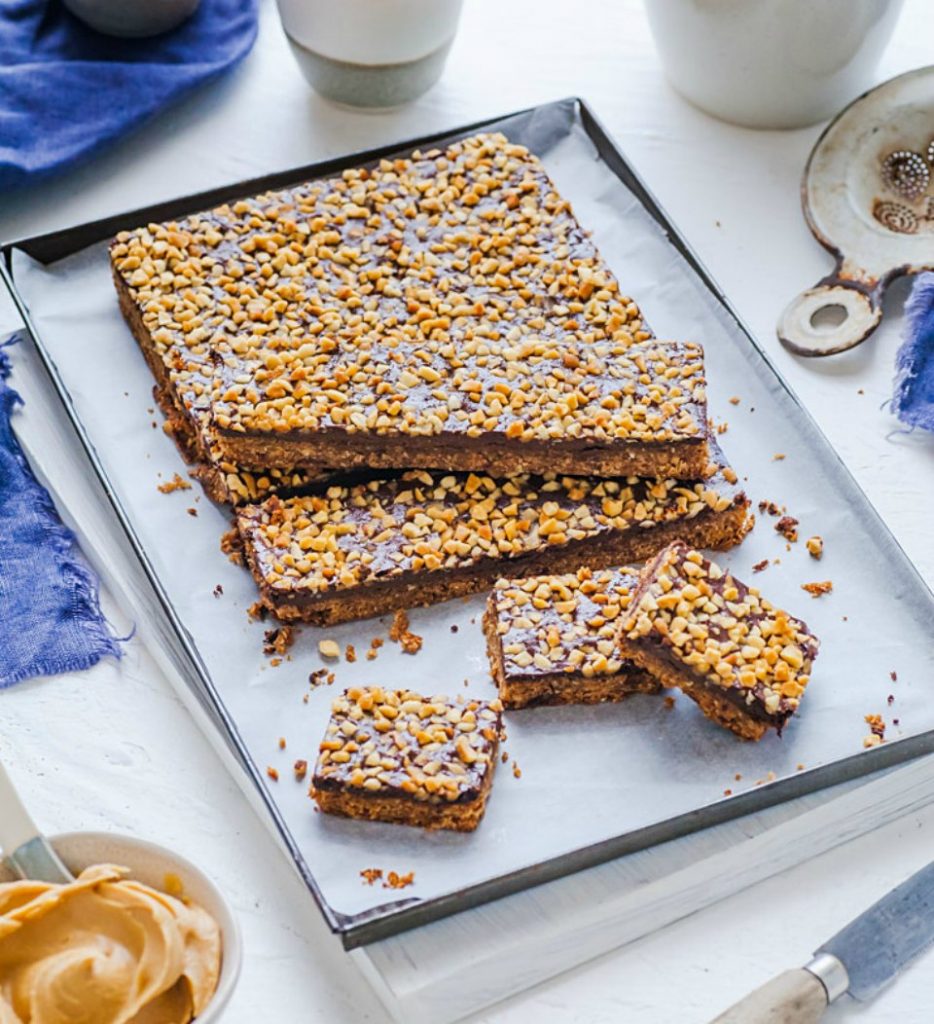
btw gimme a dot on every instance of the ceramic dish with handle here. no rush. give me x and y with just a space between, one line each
868 197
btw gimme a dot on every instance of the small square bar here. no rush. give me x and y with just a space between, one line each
396 756
552 639
694 625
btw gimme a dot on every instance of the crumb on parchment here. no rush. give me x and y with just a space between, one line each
787 526
278 640
411 643
232 546
818 588
815 546
396 881
876 735
175 484
329 649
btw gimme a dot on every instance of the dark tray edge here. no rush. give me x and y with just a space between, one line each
391 919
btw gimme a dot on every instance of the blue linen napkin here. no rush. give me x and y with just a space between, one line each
913 401
66 90
50 618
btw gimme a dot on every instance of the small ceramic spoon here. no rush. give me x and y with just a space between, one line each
26 852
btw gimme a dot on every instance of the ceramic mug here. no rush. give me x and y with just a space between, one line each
771 63
370 53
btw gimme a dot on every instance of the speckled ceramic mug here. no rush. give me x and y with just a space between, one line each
771 63
370 53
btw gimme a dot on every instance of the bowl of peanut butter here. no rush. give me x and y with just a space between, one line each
140 935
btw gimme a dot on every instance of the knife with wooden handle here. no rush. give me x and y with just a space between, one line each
860 960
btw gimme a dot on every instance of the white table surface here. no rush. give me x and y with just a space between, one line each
113 747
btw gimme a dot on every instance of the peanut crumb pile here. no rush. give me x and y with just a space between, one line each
449 292
398 743
562 623
351 536
725 632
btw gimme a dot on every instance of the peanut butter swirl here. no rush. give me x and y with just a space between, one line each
103 950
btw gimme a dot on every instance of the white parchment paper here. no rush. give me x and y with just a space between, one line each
587 774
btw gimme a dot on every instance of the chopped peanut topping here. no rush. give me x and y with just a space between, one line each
563 623
351 536
448 292
398 743
723 631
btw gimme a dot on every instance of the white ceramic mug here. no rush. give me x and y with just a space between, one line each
370 53
771 63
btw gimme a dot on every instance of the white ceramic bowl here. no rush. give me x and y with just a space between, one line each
149 863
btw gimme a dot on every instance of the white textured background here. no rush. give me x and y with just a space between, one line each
113 747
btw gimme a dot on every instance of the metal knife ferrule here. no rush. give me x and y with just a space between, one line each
831 973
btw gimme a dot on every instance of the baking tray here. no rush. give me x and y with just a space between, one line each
553 821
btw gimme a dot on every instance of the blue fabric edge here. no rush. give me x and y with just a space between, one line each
918 307
80 579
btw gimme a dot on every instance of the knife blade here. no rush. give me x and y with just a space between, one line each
860 959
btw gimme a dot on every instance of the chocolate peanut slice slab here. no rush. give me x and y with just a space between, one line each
396 756
694 625
356 551
552 639
441 310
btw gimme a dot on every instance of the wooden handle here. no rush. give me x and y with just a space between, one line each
795 997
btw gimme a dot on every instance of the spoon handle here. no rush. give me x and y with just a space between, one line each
16 825
25 850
